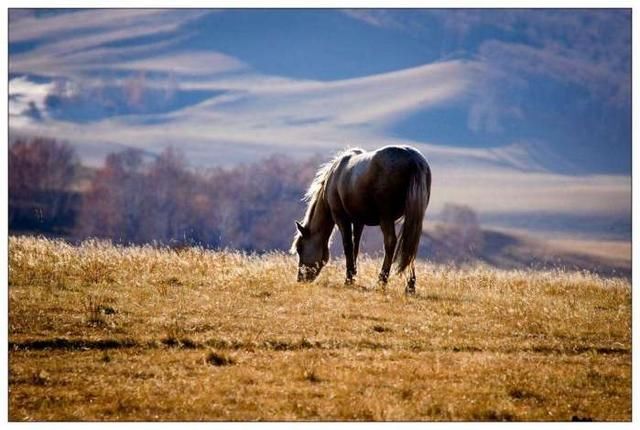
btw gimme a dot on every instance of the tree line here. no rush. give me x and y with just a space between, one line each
134 198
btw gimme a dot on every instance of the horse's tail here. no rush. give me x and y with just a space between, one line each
414 208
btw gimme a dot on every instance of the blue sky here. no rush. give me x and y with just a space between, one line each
518 111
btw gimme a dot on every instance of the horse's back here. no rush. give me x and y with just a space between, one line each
371 186
398 159
393 168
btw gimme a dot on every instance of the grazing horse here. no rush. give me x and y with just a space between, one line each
359 188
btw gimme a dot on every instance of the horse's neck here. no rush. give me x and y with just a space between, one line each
321 220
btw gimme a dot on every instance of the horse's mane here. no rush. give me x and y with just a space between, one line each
318 186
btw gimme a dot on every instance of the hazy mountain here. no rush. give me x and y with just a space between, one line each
520 112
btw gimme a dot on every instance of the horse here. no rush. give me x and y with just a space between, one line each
358 188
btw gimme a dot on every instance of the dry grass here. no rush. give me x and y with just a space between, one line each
99 332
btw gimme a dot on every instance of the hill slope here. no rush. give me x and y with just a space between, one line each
514 249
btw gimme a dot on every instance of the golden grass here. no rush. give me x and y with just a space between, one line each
99 332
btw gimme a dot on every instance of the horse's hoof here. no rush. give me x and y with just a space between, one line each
348 281
410 291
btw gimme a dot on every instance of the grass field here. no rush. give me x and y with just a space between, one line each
98 332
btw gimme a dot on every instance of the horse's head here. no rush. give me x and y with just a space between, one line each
313 254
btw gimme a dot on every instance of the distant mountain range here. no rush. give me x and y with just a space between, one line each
523 114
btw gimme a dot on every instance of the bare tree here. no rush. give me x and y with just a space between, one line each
111 206
41 174
460 231
169 200
137 202
250 207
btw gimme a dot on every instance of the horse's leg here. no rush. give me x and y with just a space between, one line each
411 279
357 234
347 244
389 233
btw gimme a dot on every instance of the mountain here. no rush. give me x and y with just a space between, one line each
519 111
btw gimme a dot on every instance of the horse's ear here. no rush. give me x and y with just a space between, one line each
304 231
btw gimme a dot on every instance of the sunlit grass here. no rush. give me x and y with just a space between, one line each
101 332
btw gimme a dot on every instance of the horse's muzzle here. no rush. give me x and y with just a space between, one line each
307 274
